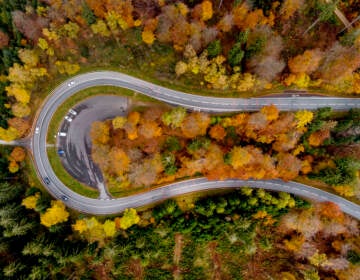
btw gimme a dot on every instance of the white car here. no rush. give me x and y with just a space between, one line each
73 112
62 133
68 118
71 83
37 130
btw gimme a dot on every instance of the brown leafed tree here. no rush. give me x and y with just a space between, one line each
4 40
149 129
21 125
288 166
195 124
31 25
339 61
307 62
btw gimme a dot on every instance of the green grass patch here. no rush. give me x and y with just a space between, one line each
66 178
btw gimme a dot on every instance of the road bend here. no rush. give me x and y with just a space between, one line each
190 101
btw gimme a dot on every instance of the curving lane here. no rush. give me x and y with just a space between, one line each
195 102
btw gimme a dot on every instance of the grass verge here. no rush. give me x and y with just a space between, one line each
66 178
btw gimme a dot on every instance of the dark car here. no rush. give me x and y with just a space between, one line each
47 181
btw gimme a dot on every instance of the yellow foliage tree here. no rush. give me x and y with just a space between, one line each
119 161
239 157
148 37
51 35
9 134
71 29
287 276
207 10
20 110
100 132
19 75
80 226
55 214
21 94
30 201
345 190
43 44
118 122
68 68
134 118
28 57
100 28
317 259
13 166
271 112
95 229
356 83
303 118
295 243
109 228
182 8
306 167
129 218
181 68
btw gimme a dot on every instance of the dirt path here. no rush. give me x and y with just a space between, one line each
135 269
216 261
177 255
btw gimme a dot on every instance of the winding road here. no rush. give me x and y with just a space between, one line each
195 102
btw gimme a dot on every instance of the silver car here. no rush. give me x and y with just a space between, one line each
73 112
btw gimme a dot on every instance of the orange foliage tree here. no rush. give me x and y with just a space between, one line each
18 154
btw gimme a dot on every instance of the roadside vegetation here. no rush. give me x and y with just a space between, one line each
154 145
242 234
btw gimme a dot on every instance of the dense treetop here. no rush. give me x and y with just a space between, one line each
243 46
156 145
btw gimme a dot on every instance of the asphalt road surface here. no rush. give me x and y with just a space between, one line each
210 104
73 138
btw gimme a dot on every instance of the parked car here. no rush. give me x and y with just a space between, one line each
61 152
68 118
73 112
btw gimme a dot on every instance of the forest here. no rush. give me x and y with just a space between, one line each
154 145
238 48
241 48
241 234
